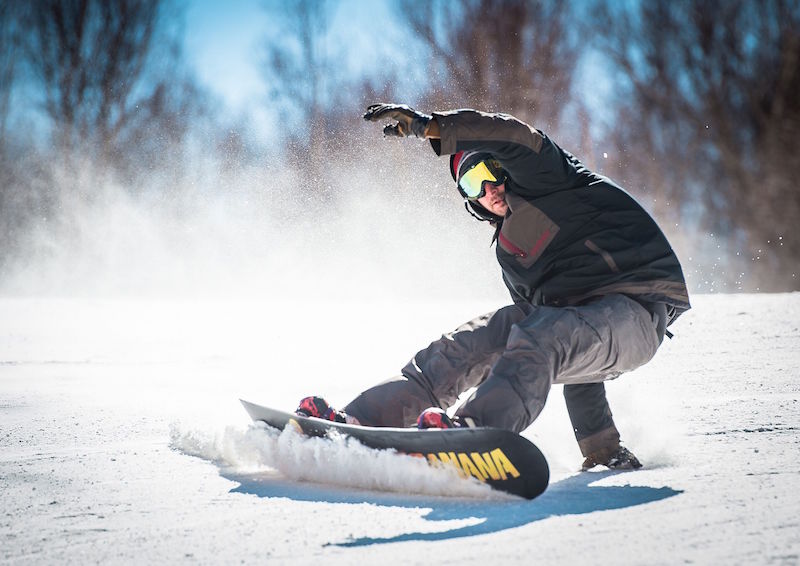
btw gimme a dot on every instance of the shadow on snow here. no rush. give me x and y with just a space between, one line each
572 496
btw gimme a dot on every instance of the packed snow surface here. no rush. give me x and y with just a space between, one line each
122 440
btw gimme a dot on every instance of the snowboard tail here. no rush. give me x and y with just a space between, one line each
503 459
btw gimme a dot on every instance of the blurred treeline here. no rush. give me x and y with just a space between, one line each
693 106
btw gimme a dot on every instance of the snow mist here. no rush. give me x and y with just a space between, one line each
338 461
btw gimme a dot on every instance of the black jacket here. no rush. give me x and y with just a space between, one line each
569 234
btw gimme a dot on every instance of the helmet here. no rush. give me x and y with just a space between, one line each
460 163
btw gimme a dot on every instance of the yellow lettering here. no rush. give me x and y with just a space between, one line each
503 464
447 458
485 465
494 464
468 466
294 425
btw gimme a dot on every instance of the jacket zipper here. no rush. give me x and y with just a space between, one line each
510 246
517 251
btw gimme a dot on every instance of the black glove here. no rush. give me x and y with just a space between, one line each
409 121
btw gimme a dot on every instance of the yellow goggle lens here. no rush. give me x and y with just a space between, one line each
471 182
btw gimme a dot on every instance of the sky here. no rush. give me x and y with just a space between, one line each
224 42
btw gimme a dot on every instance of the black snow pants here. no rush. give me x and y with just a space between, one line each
513 356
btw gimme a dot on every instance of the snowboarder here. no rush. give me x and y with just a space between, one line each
594 284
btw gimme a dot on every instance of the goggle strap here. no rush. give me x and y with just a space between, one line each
473 213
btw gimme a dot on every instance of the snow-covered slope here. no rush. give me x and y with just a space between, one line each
122 440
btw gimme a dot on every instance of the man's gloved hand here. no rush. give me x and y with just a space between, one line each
409 121
619 459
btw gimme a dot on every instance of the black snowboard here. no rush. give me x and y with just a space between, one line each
501 458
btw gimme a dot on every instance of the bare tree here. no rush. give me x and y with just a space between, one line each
9 52
712 115
7 60
297 66
515 56
317 99
110 77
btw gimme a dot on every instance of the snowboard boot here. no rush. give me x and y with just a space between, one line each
319 408
434 417
619 459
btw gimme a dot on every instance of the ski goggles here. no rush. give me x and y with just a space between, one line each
471 183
